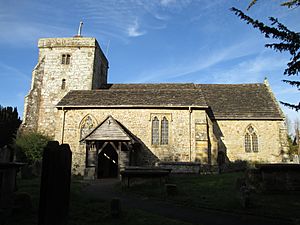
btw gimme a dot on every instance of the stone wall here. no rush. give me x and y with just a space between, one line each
181 145
32 100
100 68
230 135
48 78
187 128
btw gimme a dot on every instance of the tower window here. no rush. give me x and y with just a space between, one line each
65 59
63 84
68 59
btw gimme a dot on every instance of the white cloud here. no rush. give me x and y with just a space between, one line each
9 72
250 71
167 2
133 30
204 61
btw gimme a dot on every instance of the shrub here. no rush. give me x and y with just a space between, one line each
237 165
30 146
9 123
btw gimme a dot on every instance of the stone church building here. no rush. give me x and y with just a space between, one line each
110 126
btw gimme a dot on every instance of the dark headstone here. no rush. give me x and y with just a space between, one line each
5 154
22 202
171 189
55 184
8 173
245 197
115 208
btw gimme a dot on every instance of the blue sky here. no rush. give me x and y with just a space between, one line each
148 41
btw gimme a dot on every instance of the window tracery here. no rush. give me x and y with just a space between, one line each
251 140
86 126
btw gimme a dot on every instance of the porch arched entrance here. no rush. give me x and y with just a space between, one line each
107 163
108 149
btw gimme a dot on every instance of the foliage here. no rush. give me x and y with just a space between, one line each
237 165
9 124
289 4
289 41
31 146
293 147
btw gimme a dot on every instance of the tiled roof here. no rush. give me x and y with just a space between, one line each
149 86
227 101
240 101
137 95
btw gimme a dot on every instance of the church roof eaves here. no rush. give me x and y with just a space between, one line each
134 98
225 101
240 101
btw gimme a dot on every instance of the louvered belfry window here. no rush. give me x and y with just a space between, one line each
155 131
251 140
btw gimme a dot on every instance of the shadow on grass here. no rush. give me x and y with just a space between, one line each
219 192
83 210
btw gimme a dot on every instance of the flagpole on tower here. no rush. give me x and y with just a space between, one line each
79 29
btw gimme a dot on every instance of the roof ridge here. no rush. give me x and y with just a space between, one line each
152 83
232 84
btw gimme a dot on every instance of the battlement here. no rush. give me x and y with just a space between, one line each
76 42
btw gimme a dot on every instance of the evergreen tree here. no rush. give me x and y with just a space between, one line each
288 41
9 124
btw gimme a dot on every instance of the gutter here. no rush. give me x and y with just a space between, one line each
131 106
190 131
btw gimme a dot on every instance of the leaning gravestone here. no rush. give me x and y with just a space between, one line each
55 184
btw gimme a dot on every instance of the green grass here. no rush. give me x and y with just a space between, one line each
219 192
83 210
205 191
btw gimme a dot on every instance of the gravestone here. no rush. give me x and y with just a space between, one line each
115 208
55 184
171 189
8 171
5 154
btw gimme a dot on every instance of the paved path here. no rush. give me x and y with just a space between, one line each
104 189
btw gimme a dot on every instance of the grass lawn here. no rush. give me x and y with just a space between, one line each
82 210
219 192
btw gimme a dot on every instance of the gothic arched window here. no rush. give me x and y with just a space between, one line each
155 131
86 126
164 131
251 140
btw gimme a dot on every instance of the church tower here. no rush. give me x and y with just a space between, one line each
64 64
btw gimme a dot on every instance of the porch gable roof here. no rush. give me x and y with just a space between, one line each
108 130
